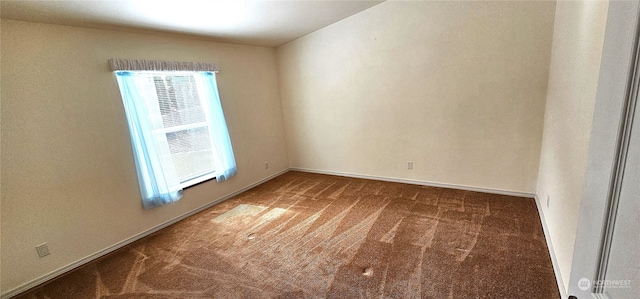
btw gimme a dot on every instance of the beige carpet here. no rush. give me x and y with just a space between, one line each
305 235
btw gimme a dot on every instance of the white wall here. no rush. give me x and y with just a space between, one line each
573 81
67 168
456 87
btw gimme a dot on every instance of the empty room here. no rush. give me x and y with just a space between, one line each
319 149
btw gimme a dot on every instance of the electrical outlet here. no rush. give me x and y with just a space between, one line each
43 250
266 165
410 165
548 200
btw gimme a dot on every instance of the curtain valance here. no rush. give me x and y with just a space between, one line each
160 65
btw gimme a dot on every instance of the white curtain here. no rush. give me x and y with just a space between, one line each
226 162
158 181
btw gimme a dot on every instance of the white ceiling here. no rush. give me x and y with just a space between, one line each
252 22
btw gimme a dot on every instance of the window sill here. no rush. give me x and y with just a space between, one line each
197 181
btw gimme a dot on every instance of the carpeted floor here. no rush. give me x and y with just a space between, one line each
306 235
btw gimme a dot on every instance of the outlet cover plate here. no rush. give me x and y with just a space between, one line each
43 250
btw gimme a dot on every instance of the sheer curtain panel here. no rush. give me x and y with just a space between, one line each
158 182
220 134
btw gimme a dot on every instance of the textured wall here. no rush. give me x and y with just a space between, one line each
456 87
67 167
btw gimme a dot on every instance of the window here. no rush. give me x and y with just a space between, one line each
184 126
178 132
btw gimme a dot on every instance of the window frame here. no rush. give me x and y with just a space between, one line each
202 176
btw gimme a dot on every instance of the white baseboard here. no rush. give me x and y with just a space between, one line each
417 182
552 253
51 275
